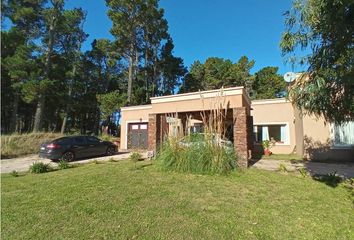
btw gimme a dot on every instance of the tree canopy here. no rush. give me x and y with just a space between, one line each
325 28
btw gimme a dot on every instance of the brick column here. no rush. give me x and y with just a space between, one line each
242 136
152 133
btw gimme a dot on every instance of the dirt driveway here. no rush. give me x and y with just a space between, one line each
22 164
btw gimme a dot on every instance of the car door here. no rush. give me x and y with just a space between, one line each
96 146
80 147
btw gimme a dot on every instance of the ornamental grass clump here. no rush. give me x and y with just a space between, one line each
203 153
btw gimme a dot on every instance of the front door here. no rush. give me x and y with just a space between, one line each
138 136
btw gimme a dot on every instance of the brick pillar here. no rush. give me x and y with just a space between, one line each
152 132
242 138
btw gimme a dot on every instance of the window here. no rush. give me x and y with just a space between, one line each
91 139
64 140
79 140
274 132
343 135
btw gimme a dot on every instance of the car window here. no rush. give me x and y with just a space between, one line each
79 140
64 140
91 139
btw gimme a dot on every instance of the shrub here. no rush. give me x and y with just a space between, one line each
39 167
203 157
14 173
282 168
63 165
15 145
135 157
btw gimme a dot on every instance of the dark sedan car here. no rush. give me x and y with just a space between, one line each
73 147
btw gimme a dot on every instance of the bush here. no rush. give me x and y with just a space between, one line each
21 144
39 167
14 173
203 157
135 157
63 165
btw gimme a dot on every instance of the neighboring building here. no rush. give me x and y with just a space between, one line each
248 124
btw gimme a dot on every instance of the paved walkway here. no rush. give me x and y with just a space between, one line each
342 169
22 164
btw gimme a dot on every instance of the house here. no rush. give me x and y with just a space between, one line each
247 123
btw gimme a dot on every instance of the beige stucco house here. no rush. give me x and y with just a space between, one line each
249 123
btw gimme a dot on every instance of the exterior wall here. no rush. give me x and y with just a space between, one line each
318 142
278 111
130 115
196 104
242 135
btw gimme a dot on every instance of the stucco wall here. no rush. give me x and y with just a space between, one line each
275 112
129 115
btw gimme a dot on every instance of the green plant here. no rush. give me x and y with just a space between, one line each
135 157
95 161
14 173
282 168
39 167
303 172
266 144
63 165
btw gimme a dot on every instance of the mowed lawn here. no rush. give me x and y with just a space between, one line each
114 201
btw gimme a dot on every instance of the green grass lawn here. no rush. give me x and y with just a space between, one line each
114 201
280 157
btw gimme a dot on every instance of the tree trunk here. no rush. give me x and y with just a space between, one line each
13 119
130 78
67 108
38 115
47 66
146 76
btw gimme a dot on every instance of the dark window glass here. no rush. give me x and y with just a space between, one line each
64 140
79 140
91 139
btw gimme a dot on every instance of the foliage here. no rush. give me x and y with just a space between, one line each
201 157
63 165
282 168
135 157
268 84
110 102
325 29
198 206
39 167
266 144
14 173
216 73
303 172
15 145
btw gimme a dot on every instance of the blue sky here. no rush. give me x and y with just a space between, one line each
211 28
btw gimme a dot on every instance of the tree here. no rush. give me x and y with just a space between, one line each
172 69
326 29
194 79
127 18
217 73
268 83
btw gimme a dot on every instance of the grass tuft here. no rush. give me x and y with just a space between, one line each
63 165
39 167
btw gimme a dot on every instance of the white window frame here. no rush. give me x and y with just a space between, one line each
287 131
333 143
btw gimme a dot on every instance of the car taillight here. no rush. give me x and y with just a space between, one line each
53 146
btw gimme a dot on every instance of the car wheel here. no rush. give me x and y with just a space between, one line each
110 151
68 156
